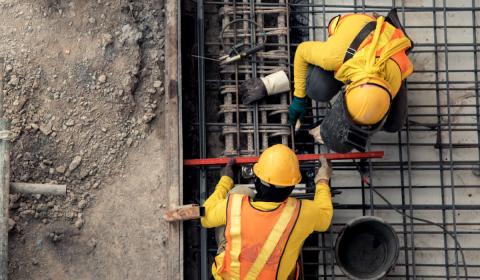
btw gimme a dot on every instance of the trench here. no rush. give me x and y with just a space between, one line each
430 166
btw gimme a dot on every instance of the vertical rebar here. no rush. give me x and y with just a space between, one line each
402 183
475 73
282 40
201 132
260 63
227 100
439 140
450 142
410 200
256 144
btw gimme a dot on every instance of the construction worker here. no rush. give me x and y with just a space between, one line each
260 235
365 59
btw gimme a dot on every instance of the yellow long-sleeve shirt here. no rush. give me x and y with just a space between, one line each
315 215
329 55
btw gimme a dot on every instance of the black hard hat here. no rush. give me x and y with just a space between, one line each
367 248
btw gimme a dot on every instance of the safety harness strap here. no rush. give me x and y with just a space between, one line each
235 235
273 239
366 30
392 18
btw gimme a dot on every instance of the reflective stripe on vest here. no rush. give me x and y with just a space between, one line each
255 252
235 236
272 239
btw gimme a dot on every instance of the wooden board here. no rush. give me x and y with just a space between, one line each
183 213
4 193
173 135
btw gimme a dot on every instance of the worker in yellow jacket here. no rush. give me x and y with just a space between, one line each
260 235
365 59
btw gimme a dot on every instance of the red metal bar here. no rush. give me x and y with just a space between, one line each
301 157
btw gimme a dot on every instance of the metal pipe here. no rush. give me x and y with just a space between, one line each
31 188
200 29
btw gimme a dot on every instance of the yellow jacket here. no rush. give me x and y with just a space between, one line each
329 55
315 215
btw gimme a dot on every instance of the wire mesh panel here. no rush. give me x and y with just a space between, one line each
431 168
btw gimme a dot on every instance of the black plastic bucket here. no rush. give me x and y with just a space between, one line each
366 248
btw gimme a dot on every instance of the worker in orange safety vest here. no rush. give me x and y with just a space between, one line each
260 234
365 59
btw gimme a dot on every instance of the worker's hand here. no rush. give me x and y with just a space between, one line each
296 110
252 90
228 169
255 89
325 171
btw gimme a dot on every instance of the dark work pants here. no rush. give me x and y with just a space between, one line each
321 86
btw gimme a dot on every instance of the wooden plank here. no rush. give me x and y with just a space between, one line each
183 213
173 134
4 193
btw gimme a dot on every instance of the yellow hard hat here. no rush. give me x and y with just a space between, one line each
278 165
367 103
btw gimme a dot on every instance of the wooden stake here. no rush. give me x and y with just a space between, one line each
183 213
172 133
4 193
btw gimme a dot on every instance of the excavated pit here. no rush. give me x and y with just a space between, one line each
430 169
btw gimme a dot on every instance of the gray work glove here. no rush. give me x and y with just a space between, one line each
252 90
325 171
255 89
228 169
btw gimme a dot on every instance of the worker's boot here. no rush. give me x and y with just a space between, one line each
315 132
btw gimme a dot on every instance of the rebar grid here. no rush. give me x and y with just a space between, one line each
431 169
430 172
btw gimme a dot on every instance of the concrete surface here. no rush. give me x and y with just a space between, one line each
426 185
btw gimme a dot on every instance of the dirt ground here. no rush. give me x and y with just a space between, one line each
82 84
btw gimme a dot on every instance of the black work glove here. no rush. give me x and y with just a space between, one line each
252 90
228 169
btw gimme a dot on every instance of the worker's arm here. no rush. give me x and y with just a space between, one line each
216 204
321 54
324 207
322 201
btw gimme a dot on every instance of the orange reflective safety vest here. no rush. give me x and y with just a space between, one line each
256 239
390 33
390 43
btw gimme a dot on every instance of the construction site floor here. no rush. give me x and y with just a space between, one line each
430 169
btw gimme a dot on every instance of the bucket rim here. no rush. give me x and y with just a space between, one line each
356 221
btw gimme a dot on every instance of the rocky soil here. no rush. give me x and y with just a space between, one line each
82 85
